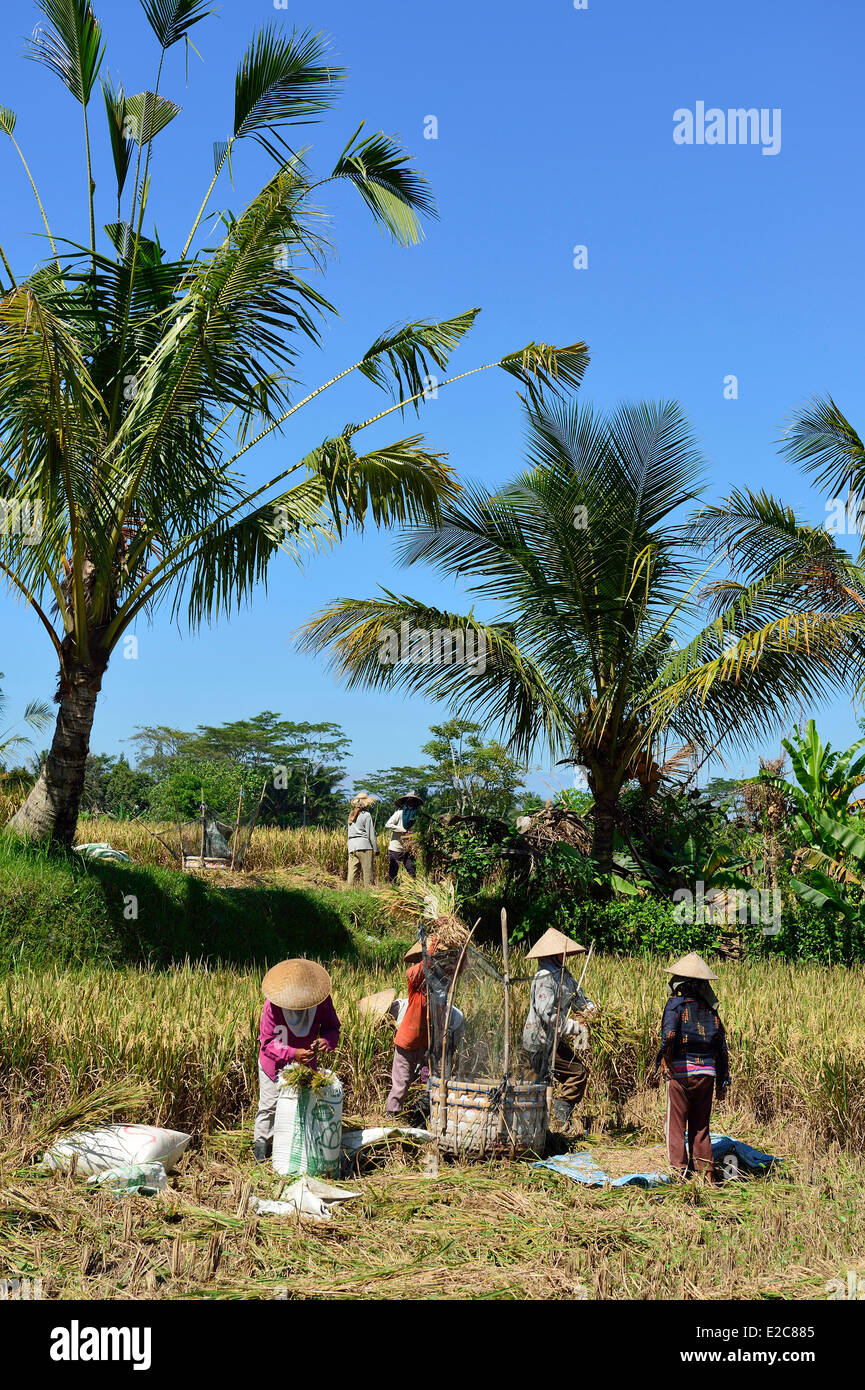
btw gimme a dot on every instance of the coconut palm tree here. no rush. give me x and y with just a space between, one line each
133 384
593 650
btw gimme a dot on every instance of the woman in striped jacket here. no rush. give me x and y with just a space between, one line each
694 1061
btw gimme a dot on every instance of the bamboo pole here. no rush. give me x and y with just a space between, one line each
236 829
506 1061
152 833
505 959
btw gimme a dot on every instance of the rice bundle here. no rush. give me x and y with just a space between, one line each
304 1078
413 901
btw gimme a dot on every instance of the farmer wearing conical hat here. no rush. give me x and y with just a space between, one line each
429 982
401 847
298 1024
554 995
362 844
694 1061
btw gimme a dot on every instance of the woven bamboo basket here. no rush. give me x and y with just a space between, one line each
478 1120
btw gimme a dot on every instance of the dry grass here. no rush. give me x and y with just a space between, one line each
496 1230
271 848
178 1047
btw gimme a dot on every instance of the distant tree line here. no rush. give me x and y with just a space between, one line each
294 772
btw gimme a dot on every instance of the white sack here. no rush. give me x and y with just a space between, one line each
116 1145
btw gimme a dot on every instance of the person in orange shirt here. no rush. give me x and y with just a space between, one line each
412 1040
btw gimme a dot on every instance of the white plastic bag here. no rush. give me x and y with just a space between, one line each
307 1130
308 1197
117 1145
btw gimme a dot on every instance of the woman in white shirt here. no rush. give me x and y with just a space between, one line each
362 844
401 848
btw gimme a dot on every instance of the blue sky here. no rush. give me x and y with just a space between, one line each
555 129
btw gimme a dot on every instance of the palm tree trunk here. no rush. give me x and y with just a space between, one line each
604 829
51 809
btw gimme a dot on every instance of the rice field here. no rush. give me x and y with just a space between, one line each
271 848
178 1047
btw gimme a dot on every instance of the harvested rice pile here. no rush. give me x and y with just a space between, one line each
413 901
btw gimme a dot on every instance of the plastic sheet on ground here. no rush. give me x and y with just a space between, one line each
103 851
356 1139
308 1197
754 1160
129 1178
581 1167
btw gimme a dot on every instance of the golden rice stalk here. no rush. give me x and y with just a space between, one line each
431 901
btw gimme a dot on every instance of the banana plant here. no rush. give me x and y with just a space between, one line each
826 778
835 860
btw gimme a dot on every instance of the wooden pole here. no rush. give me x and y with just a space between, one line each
586 966
203 826
152 833
505 958
236 829
506 1061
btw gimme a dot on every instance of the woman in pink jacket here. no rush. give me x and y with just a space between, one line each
298 1024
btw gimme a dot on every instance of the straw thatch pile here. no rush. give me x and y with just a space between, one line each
555 825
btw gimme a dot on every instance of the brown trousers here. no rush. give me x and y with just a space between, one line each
569 1072
689 1108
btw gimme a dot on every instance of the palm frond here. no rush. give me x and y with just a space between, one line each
283 79
122 144
539 367
8 120
395 484
171 20
71 47
147 114
473 666
822 440
397 194
401 358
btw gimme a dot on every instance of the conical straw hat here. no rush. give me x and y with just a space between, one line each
691 967
415 952
296 984
555 943
376 1005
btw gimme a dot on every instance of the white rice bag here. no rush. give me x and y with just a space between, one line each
114 1145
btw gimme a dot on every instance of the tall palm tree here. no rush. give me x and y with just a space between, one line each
598 585
133 385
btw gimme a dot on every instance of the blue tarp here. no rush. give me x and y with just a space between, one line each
581 1167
